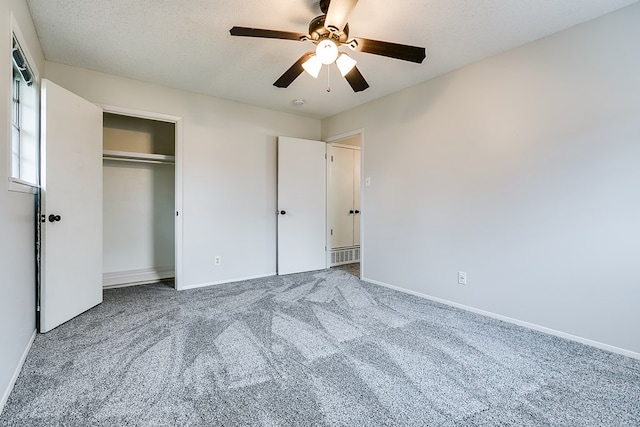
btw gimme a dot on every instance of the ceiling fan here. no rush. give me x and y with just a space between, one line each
329 32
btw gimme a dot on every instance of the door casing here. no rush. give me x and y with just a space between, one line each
178 122
336 140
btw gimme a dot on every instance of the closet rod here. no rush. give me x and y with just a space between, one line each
127 156
124 159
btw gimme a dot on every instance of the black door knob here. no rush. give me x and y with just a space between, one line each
351 212
54 218
283 212
357 211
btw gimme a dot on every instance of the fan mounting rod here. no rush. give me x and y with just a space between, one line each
324 6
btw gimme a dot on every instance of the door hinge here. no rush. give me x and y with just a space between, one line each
331 159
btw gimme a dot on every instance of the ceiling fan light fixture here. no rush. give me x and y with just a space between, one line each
327 51
329 32
345 63
312 66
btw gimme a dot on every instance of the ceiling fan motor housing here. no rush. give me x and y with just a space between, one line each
318 31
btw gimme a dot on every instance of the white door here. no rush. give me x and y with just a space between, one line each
71 178
301 205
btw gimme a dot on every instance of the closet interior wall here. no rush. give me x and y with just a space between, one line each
139 200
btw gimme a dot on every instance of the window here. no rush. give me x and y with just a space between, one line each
24 121
15 126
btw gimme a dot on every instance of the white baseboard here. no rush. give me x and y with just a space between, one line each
522 323
14 377
222 282
119 279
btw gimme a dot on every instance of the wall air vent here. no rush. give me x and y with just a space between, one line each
345 256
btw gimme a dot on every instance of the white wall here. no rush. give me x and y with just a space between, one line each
17 248
229 186
522 170
138 220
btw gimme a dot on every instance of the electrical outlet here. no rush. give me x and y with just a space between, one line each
462 277
217 260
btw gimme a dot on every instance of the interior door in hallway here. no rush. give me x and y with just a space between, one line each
341 205
301 205
71 191
344 196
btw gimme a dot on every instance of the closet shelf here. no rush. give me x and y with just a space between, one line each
128 156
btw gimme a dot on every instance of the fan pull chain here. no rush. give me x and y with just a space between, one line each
328 79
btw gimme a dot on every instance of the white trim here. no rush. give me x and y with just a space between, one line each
178 121
119 279
224 282
528 325
179 191
131 112
348 147
345 135
20 186
128 285
14 377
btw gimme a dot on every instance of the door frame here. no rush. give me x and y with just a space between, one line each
178 122
336 140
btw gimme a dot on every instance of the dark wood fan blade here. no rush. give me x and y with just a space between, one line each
338 14
391 50
293 72
267 34
356 80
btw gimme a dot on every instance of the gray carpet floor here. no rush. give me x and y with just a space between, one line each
311 349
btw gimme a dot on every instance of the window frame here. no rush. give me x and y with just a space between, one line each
15 124
16 183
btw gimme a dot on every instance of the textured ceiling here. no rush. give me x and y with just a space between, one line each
186 44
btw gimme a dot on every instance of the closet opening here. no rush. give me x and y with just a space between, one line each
139 194
344 212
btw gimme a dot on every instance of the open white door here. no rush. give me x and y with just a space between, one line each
71 179
301 205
